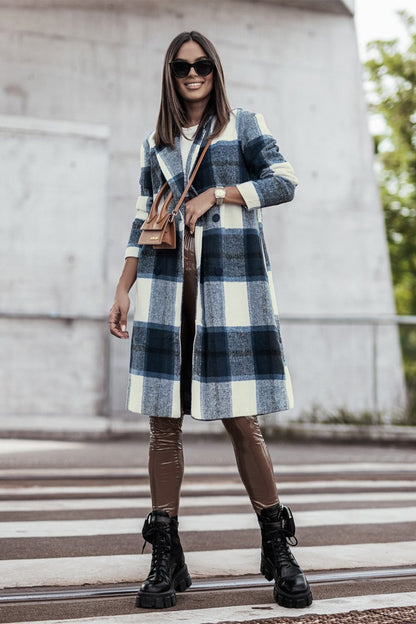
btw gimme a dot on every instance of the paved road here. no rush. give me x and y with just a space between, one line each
70 516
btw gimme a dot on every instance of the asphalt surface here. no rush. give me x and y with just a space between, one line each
198 450
303 467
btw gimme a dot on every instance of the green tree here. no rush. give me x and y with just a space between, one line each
391 74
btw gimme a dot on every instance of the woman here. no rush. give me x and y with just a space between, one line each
206 338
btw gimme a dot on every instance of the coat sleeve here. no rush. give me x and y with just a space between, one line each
143 204
273 180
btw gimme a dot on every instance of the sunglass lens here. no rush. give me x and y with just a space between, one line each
180 68
203 68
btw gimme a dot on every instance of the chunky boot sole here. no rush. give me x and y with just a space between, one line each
163 600
292 601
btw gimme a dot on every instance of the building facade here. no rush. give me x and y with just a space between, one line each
79 90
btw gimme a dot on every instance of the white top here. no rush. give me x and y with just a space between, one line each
186 143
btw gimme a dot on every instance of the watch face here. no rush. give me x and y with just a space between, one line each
219 193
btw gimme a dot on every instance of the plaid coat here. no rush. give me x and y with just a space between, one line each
238 362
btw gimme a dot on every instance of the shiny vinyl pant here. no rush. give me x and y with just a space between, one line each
165 449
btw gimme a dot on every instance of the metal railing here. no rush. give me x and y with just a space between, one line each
373 320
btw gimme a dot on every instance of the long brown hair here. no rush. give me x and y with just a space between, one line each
172 113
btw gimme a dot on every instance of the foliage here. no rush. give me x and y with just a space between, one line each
340 416
391 72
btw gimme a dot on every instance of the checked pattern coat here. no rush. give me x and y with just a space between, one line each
239 367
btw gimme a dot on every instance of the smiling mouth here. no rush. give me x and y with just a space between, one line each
193 85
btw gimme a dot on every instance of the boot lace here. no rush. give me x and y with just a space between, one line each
160 551
280 539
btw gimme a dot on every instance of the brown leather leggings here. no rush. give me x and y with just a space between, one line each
166 462
165 449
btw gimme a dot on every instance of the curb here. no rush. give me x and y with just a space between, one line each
356 434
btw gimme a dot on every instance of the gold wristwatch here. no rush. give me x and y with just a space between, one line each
219 195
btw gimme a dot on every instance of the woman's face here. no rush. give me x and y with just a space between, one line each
193 88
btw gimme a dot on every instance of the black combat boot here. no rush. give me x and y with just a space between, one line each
168 571
291 588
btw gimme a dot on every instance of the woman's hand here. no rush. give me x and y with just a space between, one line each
117 318
196 207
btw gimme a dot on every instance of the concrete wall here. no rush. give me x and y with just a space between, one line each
52 254
97 67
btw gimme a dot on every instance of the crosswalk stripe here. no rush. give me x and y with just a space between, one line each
69 504
219 487
239 613
193 488
227 522
17 445
56 472
205 564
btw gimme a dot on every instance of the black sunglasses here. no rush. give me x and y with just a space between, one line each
180 69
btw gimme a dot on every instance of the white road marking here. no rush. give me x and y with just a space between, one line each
78 504
55 472
215 486
239 613
211 522
65 571
13 445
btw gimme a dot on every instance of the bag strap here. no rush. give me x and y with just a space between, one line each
191 179
155 206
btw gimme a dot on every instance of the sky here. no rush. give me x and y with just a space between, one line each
376 19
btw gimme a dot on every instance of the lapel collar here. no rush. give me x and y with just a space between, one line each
170 162
199 143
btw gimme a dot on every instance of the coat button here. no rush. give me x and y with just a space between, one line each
218 271
216 217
